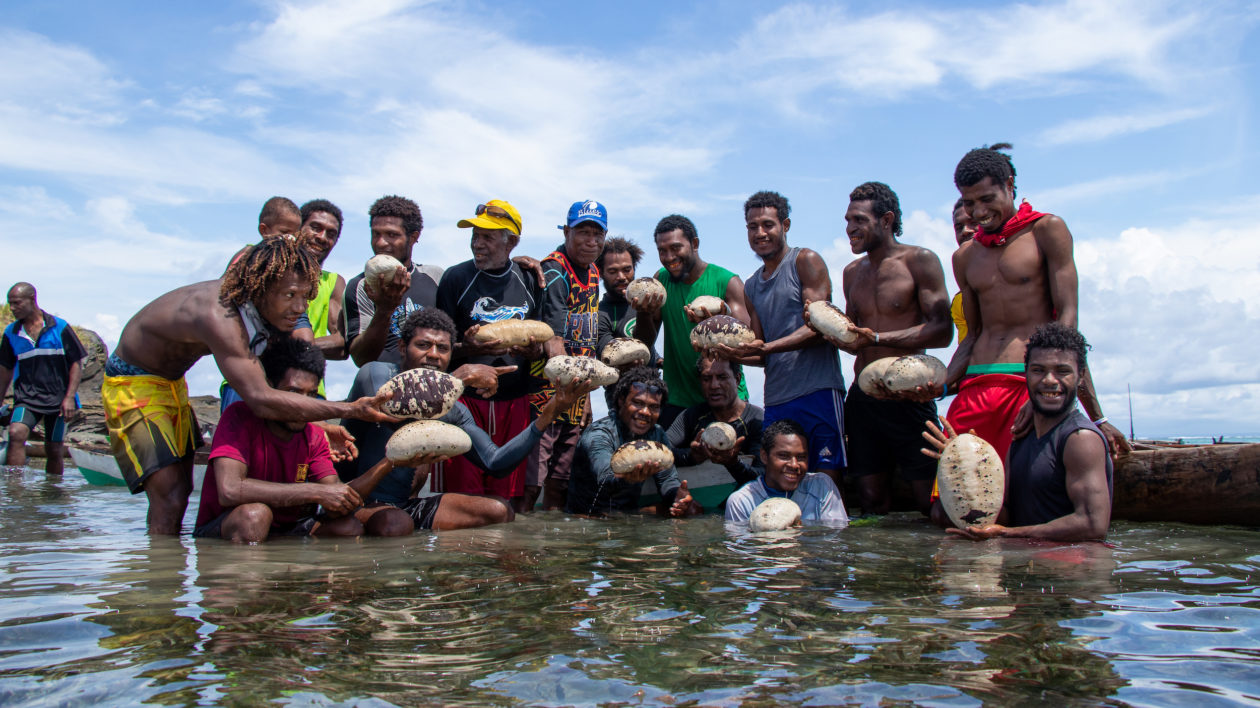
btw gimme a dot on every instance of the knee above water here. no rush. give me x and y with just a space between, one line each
392 522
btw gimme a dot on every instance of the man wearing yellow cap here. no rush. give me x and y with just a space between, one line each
490 288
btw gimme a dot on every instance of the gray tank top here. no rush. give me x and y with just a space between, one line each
779 307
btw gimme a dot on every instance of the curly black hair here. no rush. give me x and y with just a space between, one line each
674 222
737 369
782 428
264 264
618 244
401 207
769 199
428 318
882 199
324 205
642 375
1060 337
284 352
275 207
984 162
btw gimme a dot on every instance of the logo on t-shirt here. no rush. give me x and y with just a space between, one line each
487 309
399 316
302 469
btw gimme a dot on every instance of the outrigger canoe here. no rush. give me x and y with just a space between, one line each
101 468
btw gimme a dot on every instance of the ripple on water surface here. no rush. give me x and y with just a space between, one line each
556 611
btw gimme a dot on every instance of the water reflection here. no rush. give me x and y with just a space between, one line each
557 611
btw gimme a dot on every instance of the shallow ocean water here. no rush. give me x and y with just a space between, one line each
558 611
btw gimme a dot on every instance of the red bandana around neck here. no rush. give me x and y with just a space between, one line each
1023 217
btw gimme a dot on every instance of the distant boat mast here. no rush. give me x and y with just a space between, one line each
1131 435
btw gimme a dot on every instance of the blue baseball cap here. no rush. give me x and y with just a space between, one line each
588 210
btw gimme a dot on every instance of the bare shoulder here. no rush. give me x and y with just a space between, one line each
808 256
920 257
1051 227
1084 445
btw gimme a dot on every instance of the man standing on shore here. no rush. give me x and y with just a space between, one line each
895 295
1016 274
49 354
373 319
803 378
686 276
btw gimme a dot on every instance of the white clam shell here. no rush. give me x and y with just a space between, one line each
830 320
719 436
708 305
720 329
914 370
970 479
377 270
636 452
421 393
873 372
641 287
624 351
565 369
426 437
774 514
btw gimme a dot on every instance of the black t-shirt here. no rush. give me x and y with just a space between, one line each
748 426
359 308
42 364
471 296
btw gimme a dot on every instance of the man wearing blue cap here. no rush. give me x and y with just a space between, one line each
570 304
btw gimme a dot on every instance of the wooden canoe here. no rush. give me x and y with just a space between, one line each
100 468
1199 484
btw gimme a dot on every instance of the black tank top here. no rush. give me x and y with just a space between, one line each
1037 490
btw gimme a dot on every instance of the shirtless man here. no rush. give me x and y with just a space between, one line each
152 430
1016 273
896 296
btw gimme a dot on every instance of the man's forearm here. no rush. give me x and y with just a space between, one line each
366 482
332 345
75 376
1073 527
802 337
371 341
1089 400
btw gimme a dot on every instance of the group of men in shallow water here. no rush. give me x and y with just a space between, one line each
278 467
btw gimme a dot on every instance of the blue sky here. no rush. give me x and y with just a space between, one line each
138 141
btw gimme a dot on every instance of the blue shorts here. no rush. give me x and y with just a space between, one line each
54 424
821 413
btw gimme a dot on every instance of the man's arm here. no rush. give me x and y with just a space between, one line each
937 328
367 345
958 364
6 378
815 285
68 403
553 307
1055 242
734 298
333 344
236 488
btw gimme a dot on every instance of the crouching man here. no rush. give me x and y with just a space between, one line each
593 488
1059 478
271 477
785 453
426 340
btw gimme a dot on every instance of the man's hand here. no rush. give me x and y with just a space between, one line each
1023 421
699 451
639 472
68 408
725 457
531 264
649 304
482 378
572 392
739 351
392 291
979 533
338 499
471 347
683 504
368 409
1115 440
340 443
696 315
850 347
938 438
422 460
530 352
921 394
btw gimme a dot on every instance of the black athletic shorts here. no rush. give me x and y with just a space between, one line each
887 436
214 527
422 510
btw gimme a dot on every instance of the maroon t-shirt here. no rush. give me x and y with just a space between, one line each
244 437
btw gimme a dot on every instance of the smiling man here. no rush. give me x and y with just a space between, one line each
1059 478
152 430
719 380
373 319
1016 274
321 229
785 453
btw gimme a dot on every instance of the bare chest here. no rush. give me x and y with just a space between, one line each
1018 265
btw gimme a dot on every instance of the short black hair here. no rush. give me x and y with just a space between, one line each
1058 336
315 205
284 352
644 375
957 205
401 207
882 199
768 199
737 369
276 206
427 318
781 428
674 222
617 244
985 162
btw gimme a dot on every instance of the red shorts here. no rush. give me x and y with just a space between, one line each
502 420
988 403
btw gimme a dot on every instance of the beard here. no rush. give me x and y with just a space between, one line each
1069 400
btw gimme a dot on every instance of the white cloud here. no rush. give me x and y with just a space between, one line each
1098 128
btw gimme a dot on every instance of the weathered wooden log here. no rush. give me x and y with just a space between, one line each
1208 484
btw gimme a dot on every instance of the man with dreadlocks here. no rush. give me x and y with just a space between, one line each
152 430
1016 274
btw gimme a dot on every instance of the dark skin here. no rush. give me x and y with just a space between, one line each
1053 379
895 293
25 309
389 237
721 392
617 273
786 461
319 234
1009 290
491 249
583 243
681 259
639 411
172 333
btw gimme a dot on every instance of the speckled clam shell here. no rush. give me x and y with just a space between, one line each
708 305
421 393
636 452
970 480
774 514
909 372
514 333
624 351
644 286
831 321
719 436
426 437
720 329
565 369
873 372
377 269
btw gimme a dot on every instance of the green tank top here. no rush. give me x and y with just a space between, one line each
680 358
317 309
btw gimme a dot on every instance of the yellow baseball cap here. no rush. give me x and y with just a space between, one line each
495 214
